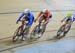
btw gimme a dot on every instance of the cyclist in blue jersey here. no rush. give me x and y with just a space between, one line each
26 15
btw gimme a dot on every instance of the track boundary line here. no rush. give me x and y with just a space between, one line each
30 42
46 31
27 44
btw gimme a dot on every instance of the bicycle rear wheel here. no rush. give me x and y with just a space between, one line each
60 32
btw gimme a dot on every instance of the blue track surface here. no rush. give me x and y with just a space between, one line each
55 47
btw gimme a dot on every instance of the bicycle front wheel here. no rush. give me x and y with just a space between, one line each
61 31
16 34
35 32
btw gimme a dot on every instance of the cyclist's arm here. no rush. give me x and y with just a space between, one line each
19 18
48 14
63 19
38 16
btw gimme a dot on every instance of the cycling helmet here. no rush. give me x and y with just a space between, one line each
26 11
44 10
69 14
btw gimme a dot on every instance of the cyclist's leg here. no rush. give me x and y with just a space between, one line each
22 30
22 26
40 21
28 25
44 26
68 21
27 30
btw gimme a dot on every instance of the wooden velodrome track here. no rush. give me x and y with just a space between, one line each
11 9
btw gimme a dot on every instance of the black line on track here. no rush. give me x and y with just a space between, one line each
46 31
30 42
1 13
27 44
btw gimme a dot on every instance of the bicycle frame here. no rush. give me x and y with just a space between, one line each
62 32
19 32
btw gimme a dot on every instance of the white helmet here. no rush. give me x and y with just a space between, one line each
26 11
44 10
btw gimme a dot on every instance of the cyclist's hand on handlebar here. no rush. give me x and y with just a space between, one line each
35 20
16 22
62 20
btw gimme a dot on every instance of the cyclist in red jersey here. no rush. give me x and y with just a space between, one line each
44 15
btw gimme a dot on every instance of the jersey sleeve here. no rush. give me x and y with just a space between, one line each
73 17
48 14
39 15
19 18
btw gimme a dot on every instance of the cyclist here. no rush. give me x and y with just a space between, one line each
43 15
69 19
26 15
